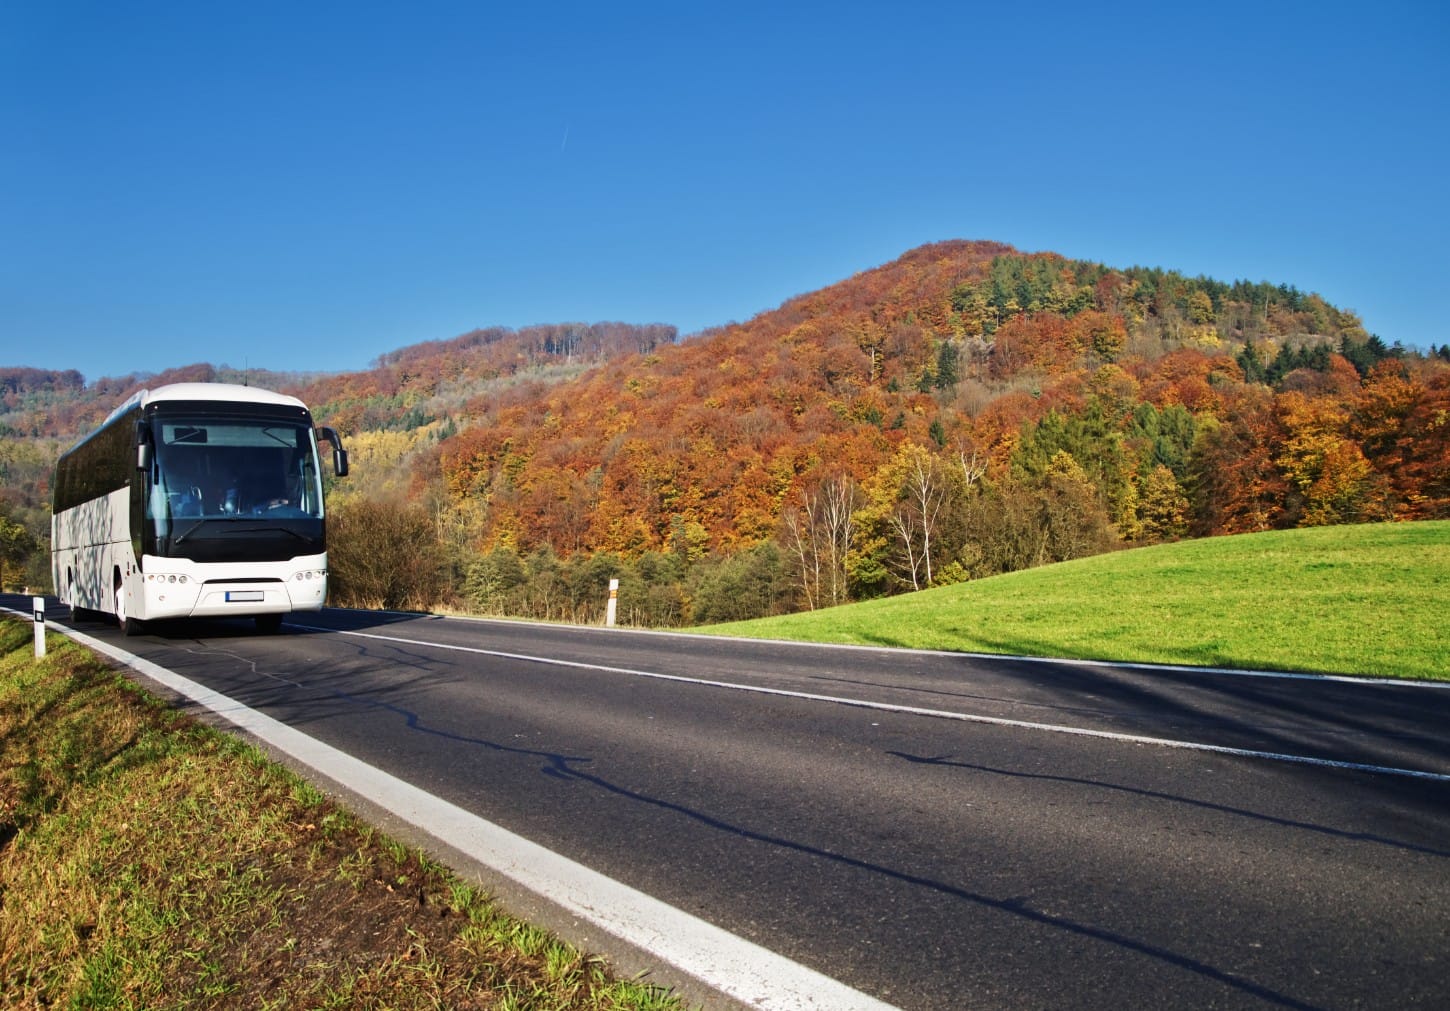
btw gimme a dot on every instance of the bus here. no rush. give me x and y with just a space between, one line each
194 500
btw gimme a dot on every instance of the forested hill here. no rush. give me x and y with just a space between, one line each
965 409
41 403
1150 395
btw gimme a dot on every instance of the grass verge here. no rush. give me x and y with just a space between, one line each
1345 600
148 861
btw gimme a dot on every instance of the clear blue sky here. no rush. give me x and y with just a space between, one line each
299 185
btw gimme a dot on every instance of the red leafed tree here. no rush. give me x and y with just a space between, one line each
1403 423
1238 486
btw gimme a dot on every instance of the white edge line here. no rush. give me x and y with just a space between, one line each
945 714
1353 679
730 964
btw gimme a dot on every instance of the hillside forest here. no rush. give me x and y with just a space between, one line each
962 411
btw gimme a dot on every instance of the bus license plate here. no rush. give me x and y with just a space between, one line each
245 596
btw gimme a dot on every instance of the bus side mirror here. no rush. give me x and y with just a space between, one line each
339 455
143 446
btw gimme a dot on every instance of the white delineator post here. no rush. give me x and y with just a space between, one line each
613 609
39 603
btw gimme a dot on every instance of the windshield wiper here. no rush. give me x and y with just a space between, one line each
241 525
285 530
194 528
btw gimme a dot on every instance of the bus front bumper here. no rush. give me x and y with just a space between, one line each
166 597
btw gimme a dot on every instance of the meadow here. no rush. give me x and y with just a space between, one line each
1362 599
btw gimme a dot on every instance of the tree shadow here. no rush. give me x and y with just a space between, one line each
580 769
945 761
1390 725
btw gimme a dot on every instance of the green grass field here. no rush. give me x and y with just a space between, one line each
1369 600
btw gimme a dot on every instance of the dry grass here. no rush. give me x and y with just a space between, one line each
147 861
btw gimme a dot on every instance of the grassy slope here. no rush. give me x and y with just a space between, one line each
1349 600
148 861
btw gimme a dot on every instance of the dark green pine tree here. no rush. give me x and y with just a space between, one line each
1249 359
946 366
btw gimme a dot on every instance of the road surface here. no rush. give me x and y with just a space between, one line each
931 830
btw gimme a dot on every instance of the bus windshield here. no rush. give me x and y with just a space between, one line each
231 469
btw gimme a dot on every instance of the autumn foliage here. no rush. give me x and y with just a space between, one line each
963 410
725 432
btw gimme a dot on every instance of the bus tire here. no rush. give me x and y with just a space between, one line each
128 626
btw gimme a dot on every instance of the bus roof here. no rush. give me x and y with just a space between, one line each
217 391
221 392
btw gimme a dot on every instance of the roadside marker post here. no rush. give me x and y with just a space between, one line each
39 603
613 609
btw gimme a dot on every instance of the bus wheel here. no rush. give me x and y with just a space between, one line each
128 626
269 624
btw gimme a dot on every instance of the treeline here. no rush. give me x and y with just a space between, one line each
530 346
37 404
890 433
19 381
1107 470
438 380
1149 300
392 555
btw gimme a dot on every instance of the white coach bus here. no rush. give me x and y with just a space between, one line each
194 500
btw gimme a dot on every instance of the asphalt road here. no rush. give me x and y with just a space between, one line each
936 831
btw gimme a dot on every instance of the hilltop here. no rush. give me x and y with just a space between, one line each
963 410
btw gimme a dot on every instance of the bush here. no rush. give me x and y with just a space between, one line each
750 584
384 555
493 581
1020 525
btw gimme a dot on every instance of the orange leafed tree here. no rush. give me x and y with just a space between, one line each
1403 422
